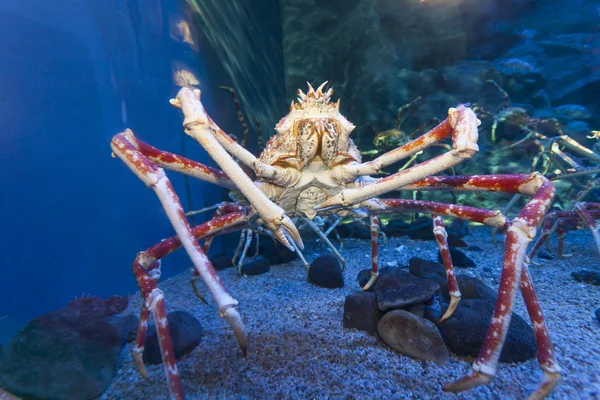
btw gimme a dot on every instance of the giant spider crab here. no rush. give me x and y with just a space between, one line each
310 167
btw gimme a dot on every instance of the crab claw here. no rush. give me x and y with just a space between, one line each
284 230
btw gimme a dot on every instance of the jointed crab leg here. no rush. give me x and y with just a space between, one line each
519 234
375 230
155 178
441 237
199 125
325 239
146 269
464 145
180 164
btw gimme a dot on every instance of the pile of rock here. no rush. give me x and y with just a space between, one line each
402 307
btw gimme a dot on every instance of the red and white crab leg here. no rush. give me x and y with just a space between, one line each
180 164
375 230
351 171
155 178
441 238
519 234
198 125
464 145
146 269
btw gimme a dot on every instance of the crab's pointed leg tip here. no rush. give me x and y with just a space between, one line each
467 382
454 300
551 379
139 364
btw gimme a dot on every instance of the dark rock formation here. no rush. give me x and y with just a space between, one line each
326 271
186 333
361 312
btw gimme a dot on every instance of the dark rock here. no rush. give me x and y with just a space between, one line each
417 309
355 229
545 255
396 288
422 229
597 316
275 252
587 276
427 269
459 259
221 261
395 228
326 272
463 333
455 241
470 288
458 228
361 312
255 266
474 248
185 331
58 356
412 336
127 326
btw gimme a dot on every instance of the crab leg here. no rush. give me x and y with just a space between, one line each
146 269
464 144
441 237
375 229
155 178
199 125
325 239
350 172
543 344
519 234
180 164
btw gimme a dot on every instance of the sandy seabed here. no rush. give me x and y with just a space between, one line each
300 350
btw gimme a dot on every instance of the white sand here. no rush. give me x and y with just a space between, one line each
299 348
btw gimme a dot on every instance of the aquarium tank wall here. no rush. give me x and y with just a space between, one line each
74 73
493 101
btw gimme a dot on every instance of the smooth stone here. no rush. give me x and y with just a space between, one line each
62 357
186 333
361 312
412 336
459 259
465 330
396 288
326 271
255 266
